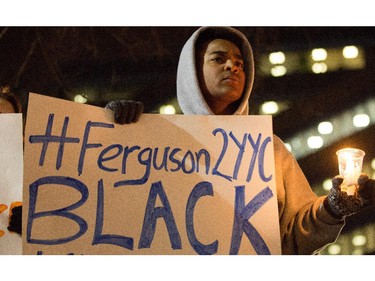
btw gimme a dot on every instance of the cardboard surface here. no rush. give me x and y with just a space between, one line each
169 184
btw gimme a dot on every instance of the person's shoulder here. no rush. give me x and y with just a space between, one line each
278 143
280 147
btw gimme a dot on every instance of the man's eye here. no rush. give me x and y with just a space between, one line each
239 65
217 59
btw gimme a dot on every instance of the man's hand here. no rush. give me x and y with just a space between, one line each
366 190
340 205
126 111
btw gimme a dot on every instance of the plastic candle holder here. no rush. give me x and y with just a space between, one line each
350 167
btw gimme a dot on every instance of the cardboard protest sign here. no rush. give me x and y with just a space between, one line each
11 179
168 184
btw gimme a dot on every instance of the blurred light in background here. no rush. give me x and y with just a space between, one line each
167 109
356 242
334 249
350 52
269 107
357 252
319 54
359 240
325 128
361 120
288 146
277 58
341 125
319 67
80 99
318 60
315 142
278 70
327 184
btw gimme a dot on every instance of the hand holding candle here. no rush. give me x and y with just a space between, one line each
350 167
352 190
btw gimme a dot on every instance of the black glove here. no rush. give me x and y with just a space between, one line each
15 222
366 190
126 111
339 205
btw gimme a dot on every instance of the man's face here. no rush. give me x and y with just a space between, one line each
223 72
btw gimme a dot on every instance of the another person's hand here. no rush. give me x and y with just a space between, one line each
340 205
15 222
126 111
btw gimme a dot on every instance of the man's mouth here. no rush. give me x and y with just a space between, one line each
231 78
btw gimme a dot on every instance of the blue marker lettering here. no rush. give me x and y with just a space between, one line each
152 213
99 238
48 137
215 171
240 153
86 145
241 224
63 212
255 147
201 189
261 160
102 157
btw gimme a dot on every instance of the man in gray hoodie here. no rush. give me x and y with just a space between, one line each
215 77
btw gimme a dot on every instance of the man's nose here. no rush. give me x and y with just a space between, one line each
231 66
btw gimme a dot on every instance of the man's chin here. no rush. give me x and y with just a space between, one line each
231 94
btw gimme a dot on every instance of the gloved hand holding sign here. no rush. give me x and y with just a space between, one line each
126 111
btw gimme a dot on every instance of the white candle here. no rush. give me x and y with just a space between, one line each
350 167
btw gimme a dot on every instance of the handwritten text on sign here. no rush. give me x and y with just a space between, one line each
165 185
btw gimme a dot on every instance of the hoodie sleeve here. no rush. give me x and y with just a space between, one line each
305 225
